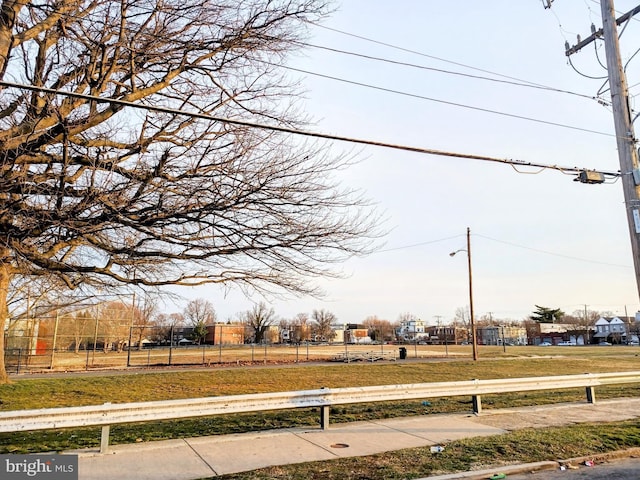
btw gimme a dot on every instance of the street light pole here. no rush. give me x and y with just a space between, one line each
474 343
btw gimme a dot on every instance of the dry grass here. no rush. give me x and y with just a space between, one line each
134 386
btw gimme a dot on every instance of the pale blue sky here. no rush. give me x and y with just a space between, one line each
513 217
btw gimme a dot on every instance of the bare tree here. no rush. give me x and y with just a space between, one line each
407 317
105 181
144 317
379 330
301 330
164 323
297 328
323 319
199 313
258 320
113 323
77 327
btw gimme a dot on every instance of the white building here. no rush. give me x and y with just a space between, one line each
611 330
411 329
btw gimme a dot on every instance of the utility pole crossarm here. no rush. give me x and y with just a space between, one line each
599 33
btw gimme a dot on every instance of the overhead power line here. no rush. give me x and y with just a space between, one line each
306 133
504 242
415 52
449 72
444 102
546 252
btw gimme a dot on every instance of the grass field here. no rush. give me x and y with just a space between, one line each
144 385
214 355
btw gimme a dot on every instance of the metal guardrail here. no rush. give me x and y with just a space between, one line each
112 414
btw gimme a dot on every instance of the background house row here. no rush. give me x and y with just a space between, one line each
39 336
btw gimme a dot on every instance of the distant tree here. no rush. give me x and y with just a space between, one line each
76 327
407 317
199 313
323 319
144 314
547 315
379 330
532 328
258 320
462 325
298 326
164 322
114 321
462 317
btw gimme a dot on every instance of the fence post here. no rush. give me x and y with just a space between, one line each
129 346
55 337
170 344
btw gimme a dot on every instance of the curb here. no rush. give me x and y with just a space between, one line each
537 466
507 469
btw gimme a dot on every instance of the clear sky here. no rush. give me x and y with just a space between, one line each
537 237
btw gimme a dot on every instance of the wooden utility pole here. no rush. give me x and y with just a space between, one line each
474 340
472 318
625 137
627 154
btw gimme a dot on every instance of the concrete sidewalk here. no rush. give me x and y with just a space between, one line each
195 458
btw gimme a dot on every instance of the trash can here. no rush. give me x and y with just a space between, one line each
403 353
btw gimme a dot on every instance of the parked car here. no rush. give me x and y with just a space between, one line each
566 344
544 344
604 344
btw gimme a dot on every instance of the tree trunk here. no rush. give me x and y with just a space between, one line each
5 277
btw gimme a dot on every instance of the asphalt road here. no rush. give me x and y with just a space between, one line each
623 469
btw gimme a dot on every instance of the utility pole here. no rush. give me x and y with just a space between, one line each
438 317
625 137
474 340
474 343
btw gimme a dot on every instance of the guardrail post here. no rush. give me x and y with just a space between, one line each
591 394
104 439
104 436
477 404
324 417
476 400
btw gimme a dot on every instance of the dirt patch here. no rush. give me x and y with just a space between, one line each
565 414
